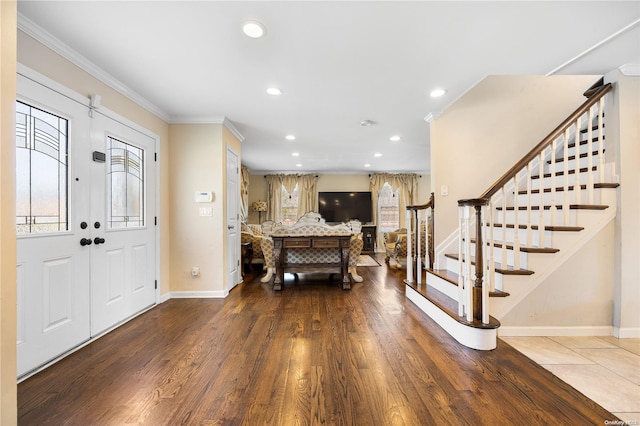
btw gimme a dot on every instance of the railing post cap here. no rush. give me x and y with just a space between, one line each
473 202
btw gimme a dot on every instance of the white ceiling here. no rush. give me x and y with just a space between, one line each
338 63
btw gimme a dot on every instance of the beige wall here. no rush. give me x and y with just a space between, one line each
476 140
8 401
198 163
328 183
43 60
626 112
577 294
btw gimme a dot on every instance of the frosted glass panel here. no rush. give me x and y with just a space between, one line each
126 185
41 171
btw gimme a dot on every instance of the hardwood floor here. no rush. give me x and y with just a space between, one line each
311 354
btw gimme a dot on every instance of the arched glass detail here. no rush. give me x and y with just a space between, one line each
126 185
41 171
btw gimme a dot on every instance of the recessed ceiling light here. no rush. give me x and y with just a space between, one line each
377 154
394 138
298 165
367 123
436 93
290 137
254 29
295 154
274 91
367 165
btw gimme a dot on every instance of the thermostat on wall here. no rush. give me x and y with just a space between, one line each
204 196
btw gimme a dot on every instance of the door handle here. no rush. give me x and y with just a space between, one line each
85 242
98 240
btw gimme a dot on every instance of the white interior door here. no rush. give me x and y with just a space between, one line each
122 211
52 216
233 207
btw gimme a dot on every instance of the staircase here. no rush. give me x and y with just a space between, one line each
519 231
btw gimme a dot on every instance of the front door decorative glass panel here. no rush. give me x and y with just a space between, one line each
41 171
126 185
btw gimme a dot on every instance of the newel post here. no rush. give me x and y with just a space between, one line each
476 294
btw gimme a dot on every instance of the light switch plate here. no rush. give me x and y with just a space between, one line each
206 211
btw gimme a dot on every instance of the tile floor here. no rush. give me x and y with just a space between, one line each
605 369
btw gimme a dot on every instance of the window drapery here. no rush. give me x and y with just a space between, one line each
307 193
244 193
407 183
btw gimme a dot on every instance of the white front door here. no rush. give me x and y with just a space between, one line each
233 233
122 200
52 217
85 213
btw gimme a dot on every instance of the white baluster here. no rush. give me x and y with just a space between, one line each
516 240
541 202
503 250
486 281
565 185
576 175
553 209
590 157
491 262
418 249
409 254
601 177
461 278
529 223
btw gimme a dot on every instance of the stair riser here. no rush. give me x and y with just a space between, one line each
509 237
452 265
575 197
442 286
575 217
498 256
583 162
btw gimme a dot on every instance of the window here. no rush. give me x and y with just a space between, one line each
126 185
41 171
289 206
388 209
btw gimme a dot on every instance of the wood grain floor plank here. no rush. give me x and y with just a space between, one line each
311 354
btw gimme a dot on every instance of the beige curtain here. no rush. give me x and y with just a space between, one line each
244 193
407 183
307 193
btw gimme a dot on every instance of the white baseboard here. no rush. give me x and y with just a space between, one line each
604 330
626 332
164 297
221 294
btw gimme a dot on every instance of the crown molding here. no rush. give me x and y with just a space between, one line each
209 120
630 70
38 33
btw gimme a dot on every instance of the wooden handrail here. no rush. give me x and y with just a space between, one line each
543 144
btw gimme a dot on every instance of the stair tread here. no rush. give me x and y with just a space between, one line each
559 206
452 278
510 270
523 248
450 306
571 188
546 228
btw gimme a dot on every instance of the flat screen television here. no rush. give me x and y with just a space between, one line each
345 206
